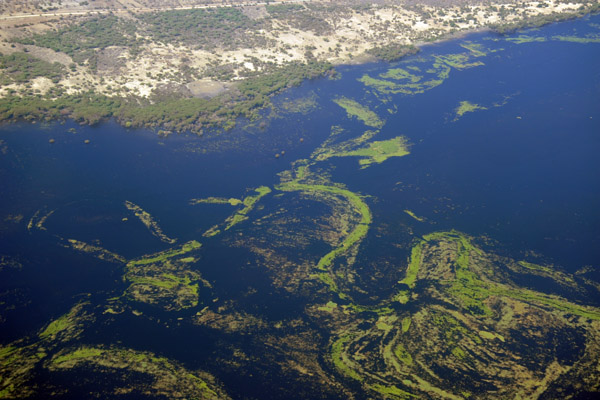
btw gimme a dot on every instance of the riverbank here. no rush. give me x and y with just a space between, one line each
195 67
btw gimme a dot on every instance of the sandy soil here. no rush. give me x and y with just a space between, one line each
159 65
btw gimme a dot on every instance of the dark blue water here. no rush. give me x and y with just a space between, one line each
526 175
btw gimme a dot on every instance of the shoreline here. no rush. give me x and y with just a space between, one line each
198 102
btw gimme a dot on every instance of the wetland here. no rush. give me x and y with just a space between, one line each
425 228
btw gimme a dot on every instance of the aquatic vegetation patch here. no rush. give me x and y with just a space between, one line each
468 316
16 366
378 152
95 251
437 69
67 326
578 39
414 216
303 105
168 379
167 254
590 38
361 112
467 107
20 359
149 222
248 202
341 359
412 270
217 200
354 236
526 39
329 307
337 144
38 220
165 279
459 61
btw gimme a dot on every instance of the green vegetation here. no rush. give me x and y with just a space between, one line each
525 39
256 90
491 336
22 67
165 279
413 215
534 267
206 29
406 324
466 107
378 152
56 326
306 17
460 61
437 69
171 112
217 200
414 265
471 289
402 81
167 254
303 105
578 39
96 251
249 202
392 52
356 235
149 222
363 113
66 326
385 322
169 380
77 355
81 41
341 360
329 307
88 108
392 391
403 355
544 19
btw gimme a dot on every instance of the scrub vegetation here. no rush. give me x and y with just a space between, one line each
198 67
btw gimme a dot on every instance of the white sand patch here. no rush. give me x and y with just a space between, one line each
421 26
139 88
41 84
